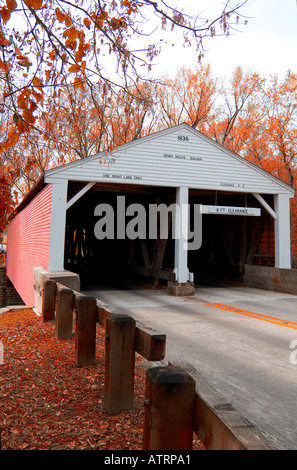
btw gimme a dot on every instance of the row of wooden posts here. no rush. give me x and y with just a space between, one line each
173 409
170 391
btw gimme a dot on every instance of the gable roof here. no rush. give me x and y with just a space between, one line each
177 156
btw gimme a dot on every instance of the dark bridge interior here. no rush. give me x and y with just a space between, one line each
228 242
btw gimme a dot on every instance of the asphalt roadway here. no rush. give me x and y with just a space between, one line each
243 341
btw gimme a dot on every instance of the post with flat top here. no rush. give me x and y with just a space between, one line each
48 300
85 331
119 363
169 409
64 312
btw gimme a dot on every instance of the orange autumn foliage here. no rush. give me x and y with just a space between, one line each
67 33
85 44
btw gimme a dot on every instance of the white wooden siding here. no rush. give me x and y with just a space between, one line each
162 159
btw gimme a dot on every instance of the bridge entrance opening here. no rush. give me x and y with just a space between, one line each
228 241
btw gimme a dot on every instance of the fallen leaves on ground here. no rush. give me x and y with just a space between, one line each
47 403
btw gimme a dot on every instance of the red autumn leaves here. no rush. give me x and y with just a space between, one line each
49 404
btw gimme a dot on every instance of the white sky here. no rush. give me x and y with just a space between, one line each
267 44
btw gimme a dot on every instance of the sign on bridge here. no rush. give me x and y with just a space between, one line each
229 210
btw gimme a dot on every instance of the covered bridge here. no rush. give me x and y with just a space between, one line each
245 216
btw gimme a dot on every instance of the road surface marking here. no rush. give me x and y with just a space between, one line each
258 316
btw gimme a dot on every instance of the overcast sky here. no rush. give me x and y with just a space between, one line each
267 44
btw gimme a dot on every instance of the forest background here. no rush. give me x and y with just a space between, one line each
75 82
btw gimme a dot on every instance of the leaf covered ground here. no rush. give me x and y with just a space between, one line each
47 403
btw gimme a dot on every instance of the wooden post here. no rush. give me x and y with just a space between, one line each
48 300
64 312
169 409
119 363
85 331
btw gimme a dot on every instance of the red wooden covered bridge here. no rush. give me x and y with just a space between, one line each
245 216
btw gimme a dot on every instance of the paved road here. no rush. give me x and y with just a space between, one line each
238 338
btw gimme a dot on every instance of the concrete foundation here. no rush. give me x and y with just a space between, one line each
181 289
66 278
273 279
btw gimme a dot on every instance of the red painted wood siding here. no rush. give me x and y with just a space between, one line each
28 237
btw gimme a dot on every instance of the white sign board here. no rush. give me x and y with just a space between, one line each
230 210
